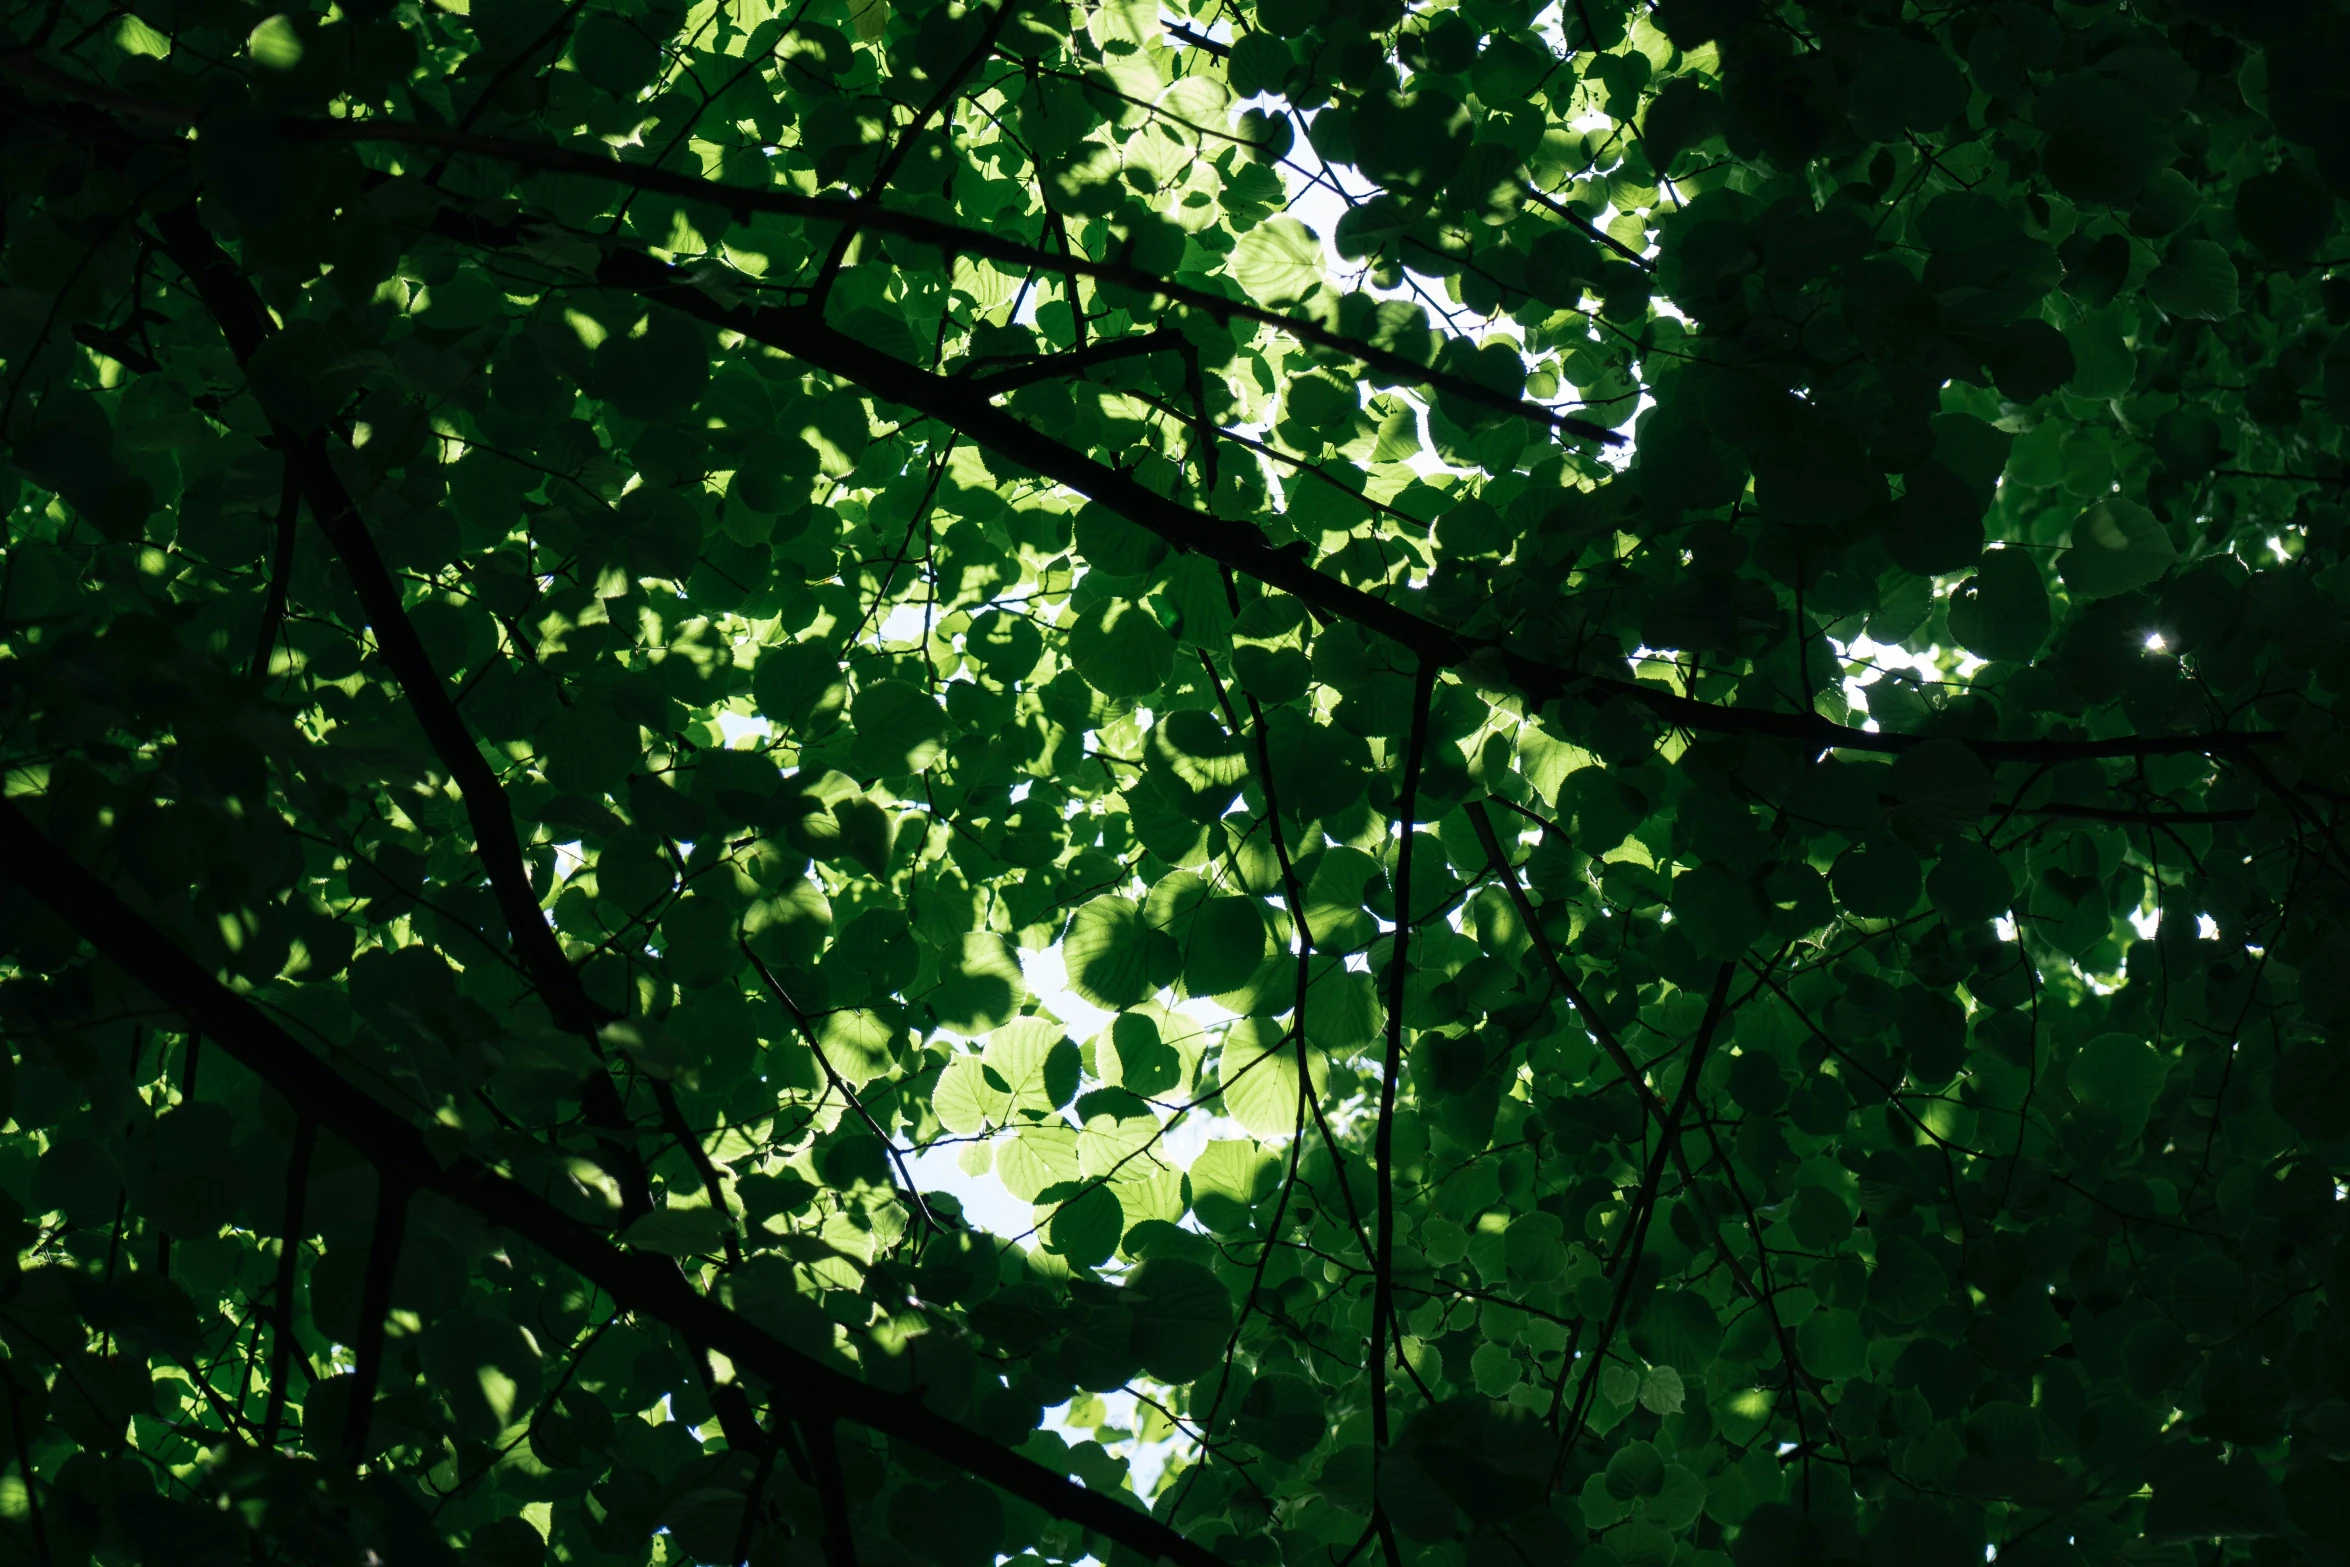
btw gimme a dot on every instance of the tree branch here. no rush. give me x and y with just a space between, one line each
232 303
1560 209
673 1118
840 1538
840 1085
1651 1184
636 1282
1383 1140
1197 40
838 252
1502 665
281 574
237 310
997 382
24 1462
281 1340
375 1304
1243 546
1616 1053
742 201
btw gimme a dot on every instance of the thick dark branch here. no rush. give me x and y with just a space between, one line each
741 202
116 345
1244 547
1568 987
640 1283
375 1304
997 382
1560 209
1198 40
232 303
281 1338
237 309
967 409
1185 529
838 252
2102 813
840 1085
281 574
24 66
746 1533
24 1462
1627 1265
690 1143
840 1539
1383 1140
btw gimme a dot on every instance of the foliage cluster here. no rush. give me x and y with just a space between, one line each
1703 742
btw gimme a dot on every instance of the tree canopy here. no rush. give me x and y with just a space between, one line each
1658 685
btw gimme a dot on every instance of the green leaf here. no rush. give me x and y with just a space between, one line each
1831 1345
1259 1077
1228 1179
1636 1470
1661 1393
275 44
963 1101
614 53
656 371
1941 788
1278 262
898 727
1283 1415
1111 544
980 984
1041 1157
1908 1282
488 1371
2117 545
1142 1062
1085 1228
2196 280
1878 879
1819 1218
859 1043
1223 942
2030 359
799 686
2119 1073
1182 1318
1108 953
2285 214
2001 612
1032 1064
1968 885
1722 911
1120 650
1678 1328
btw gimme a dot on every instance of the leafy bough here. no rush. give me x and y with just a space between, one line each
406 1160
966 408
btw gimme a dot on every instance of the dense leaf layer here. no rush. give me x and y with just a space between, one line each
1591 751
